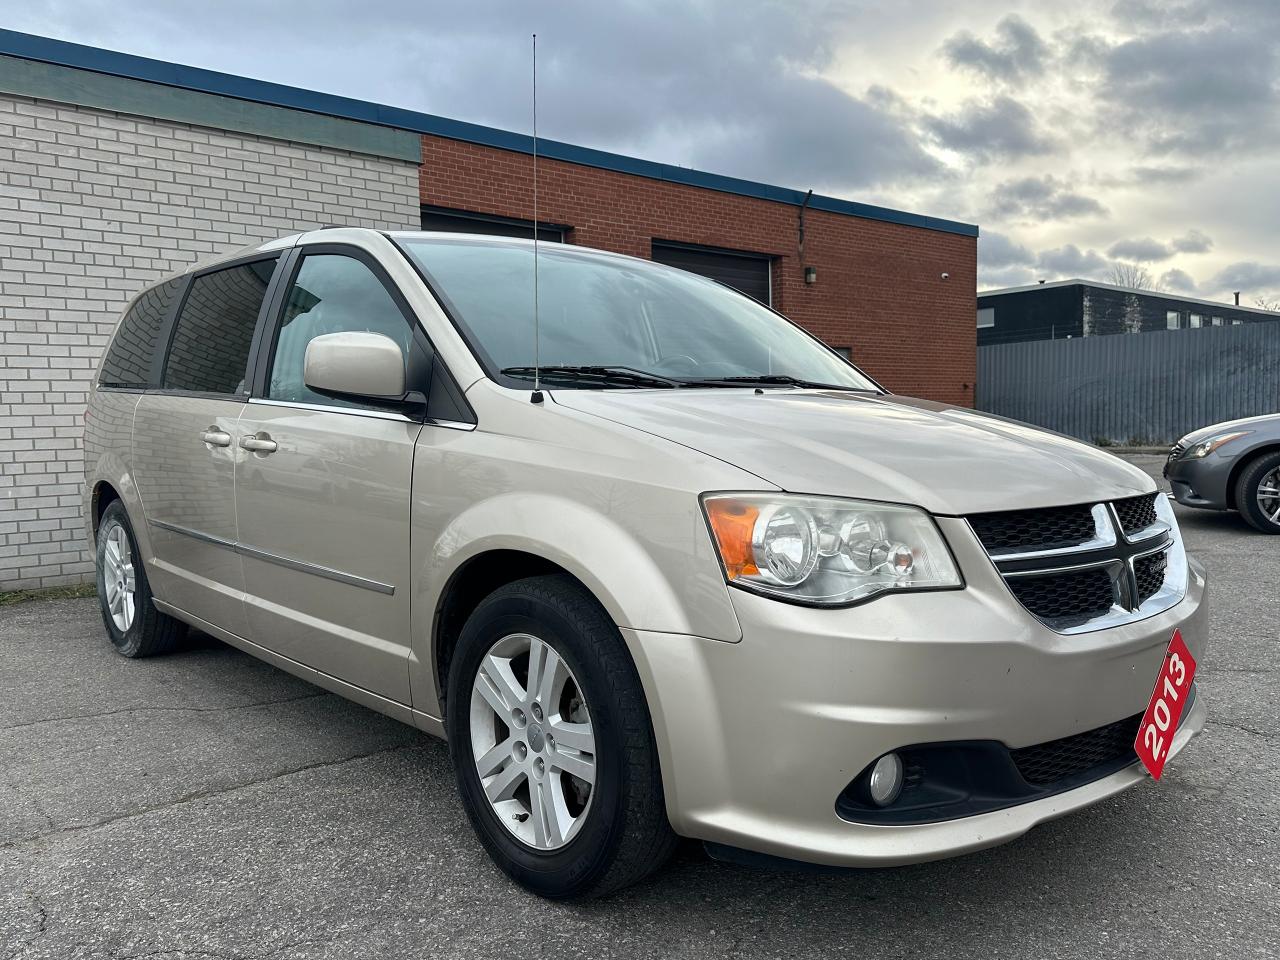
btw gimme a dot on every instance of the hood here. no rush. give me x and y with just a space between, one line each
1269 422
949 460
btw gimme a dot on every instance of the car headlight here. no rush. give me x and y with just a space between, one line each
1199 451
824 550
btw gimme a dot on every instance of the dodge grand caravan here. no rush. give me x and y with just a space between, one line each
667 566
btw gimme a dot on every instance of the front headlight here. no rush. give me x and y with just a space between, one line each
1202 449
827 551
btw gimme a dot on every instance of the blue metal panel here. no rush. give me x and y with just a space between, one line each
111 62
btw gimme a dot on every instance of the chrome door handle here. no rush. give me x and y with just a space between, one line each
216 438
258 444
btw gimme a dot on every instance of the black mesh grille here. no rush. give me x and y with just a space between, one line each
1066 599
1150 573
1047 763
1047 529
1136 513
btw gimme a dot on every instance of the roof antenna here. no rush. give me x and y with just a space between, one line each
536 396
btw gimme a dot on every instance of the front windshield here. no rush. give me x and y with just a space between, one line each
597 310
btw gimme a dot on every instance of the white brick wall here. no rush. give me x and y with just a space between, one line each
93 206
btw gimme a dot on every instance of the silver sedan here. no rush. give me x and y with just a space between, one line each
1231 466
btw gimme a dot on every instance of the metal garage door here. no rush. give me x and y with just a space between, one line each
748 272
463 221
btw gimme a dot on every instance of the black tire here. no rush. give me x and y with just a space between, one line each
625 834
151 632
1247 485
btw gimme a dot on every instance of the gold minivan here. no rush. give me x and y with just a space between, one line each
655 560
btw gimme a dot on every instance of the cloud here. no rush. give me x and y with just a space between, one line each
997 250
1196 90
1042 198
1016 53
1144 250
1177 281
993 279
1002 127
1145 176
1147 250
1193 241
1248 276
1069 261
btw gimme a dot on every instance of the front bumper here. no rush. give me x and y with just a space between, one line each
1201 483
757 739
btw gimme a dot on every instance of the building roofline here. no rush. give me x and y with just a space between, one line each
1159 294
79 56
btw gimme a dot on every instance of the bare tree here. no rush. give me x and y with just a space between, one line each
1133 276
1267 304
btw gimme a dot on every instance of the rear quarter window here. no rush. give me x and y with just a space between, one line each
209 352
128 360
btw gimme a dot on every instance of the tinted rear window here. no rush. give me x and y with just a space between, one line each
209 352
128 359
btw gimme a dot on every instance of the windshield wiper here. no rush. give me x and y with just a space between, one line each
775 379
603 375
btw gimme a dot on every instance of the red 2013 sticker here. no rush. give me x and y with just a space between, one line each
1160 722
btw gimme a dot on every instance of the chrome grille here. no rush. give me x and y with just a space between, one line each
1088 566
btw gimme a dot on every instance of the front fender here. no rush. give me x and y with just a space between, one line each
659 571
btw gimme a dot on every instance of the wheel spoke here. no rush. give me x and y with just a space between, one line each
499 686
489 764
547 682
577 736
112 592
112 551
548 827
580 765
504 783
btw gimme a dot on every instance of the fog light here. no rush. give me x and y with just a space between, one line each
885 782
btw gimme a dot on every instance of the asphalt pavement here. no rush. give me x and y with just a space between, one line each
206 805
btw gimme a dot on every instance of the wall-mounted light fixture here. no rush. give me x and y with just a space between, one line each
810 274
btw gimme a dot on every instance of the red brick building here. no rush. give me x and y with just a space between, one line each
894 290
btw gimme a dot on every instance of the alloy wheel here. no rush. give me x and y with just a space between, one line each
1269 495
118 576
532 741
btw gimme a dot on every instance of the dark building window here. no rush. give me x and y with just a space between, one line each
209 352
745 272
440 219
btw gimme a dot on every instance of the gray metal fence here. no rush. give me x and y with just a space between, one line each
1146 388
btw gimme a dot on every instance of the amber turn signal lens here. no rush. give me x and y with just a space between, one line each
733 523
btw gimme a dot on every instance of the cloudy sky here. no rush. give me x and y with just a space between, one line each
1077 135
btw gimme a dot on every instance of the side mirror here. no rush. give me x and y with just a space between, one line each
355 364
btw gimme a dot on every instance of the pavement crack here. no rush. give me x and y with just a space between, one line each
1242 727
42 927
149 709
197 795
